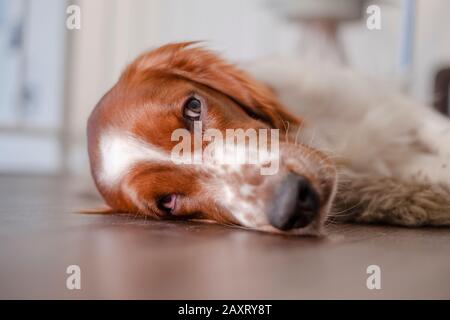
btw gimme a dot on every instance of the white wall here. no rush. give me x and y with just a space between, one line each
32 43
376 52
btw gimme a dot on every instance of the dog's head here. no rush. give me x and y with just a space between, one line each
185 135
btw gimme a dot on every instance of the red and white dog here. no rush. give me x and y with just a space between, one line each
391 156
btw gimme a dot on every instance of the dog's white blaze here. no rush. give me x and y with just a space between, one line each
120 152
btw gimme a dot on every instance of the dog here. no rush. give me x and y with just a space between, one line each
348 150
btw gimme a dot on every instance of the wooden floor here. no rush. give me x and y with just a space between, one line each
125 257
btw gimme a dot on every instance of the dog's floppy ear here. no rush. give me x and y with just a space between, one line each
204 67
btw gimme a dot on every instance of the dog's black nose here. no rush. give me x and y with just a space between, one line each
295 203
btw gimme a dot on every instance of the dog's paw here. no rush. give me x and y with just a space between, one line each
393 201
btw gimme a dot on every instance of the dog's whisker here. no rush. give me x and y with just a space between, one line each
287 127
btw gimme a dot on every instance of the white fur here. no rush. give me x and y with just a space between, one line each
119 152
361 121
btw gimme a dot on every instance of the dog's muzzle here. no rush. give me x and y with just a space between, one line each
295 203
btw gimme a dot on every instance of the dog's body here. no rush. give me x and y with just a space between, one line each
394 153
391 157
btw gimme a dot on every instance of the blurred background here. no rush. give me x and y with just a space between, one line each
52 75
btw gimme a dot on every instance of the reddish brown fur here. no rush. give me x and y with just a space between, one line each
147 102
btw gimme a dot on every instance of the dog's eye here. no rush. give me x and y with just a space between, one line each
192 109
167 203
